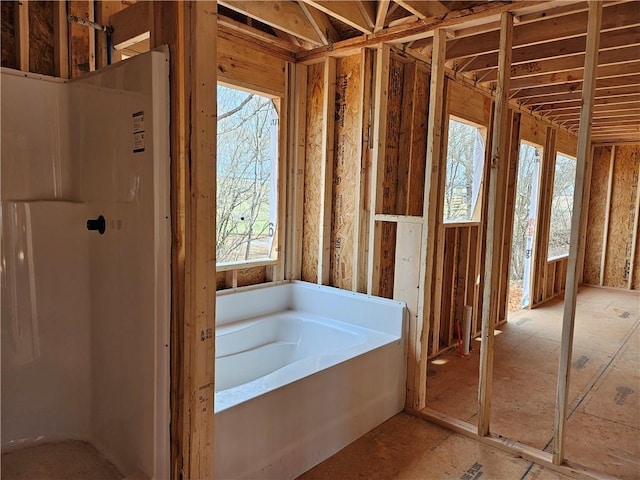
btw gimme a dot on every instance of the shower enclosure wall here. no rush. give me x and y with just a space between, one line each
85 329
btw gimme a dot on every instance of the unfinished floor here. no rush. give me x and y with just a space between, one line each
69 460
603 431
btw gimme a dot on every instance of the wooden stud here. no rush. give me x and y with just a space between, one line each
383 57
61 40
200 239
439 262
298 100
634 239
326 175
583 226
22 35
419 333
490 276
607 214
584 146
360 214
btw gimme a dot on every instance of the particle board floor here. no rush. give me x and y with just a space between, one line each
69 460
603 431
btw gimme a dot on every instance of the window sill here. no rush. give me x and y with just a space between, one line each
259 262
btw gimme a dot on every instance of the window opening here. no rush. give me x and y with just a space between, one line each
465 162
247 160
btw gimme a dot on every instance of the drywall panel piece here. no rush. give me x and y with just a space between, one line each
346 169
470 104
622 216
245 64
41 38
597 209
532 130
36 164
312 169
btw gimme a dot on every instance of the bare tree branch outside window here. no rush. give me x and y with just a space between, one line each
245 156
562 206
465 159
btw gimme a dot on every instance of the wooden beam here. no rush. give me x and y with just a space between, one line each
169 28
61 39
381 15
584 146
634 238
554 49
347 12
22 35
298 102
500 115
201 238
627 53
267 40
360 219
283 15
419 333
625 99
629 68
607 213
600 94
574 87
321 23
81 55
567 26
422 9
383 55
130 25
414 30
326 176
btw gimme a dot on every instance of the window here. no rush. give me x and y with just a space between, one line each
465 161
247 158
561 206
524 225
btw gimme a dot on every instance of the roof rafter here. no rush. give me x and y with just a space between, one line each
350 13
283 15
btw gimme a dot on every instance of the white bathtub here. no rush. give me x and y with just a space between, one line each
302 371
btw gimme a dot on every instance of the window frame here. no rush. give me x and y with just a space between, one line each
555 161
476 214
276 255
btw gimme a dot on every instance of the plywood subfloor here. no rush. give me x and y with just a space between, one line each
603 431
70 460
408 448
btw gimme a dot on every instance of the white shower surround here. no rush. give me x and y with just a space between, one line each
86 355
302 370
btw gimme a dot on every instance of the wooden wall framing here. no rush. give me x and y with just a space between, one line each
363 198
611 253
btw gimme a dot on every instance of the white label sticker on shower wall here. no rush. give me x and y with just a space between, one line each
138 132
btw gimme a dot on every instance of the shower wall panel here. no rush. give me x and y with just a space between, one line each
45 332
